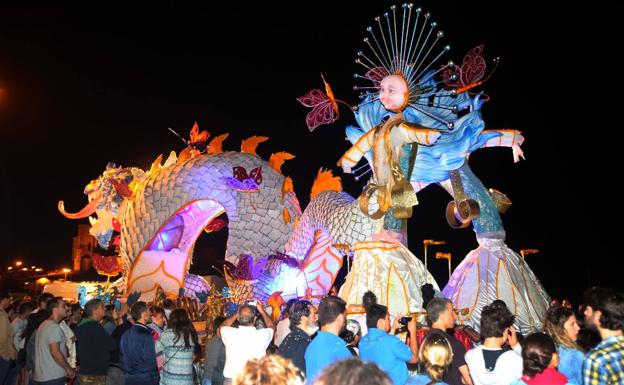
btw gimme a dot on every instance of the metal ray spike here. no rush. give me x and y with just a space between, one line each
366 40
424 44
445 50
383 37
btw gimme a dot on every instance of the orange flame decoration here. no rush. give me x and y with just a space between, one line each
249 145
325 181
216 144
287 186
277 160
156 164
286 215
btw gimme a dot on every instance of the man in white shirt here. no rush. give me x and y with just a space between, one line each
493 363
51 366
245 342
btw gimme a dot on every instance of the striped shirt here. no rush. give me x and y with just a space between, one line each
605 363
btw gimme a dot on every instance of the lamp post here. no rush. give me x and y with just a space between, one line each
446 256
524 252
66 270
431 242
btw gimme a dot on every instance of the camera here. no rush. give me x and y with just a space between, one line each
405 320
252 303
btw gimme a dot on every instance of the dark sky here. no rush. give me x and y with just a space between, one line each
81 87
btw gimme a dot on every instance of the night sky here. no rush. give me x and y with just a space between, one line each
82 87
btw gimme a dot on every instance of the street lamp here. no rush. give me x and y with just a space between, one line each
431 242
18 263
524 252
66 270
446 256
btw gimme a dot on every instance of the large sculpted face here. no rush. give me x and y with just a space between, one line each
394 92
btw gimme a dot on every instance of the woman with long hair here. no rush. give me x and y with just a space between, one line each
269 370
435 356
539 362
177 345
561 324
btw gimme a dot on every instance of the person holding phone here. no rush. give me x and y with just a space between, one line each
245 342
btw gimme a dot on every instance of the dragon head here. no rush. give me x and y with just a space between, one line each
107 196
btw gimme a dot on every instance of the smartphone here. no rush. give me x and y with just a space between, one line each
252 303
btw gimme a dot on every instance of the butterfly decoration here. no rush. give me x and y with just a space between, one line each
324 106
470 73
241 181
376 75
198 139
247 270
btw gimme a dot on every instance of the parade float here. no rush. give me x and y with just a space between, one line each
418 120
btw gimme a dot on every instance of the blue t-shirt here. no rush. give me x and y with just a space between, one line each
389 352
324 350
571 364
422 379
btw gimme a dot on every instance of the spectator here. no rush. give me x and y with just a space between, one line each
19 326
560 323
369 298
176 345
51 363
115 375
283 326
42 301
34 321
386 350
604 312
351 335
353 372
168 305
214 357
539 361
435 356
491 363
158 320
94 345
269 370
111 319
75 316
245 342
8 354
303 322
327 348
137 352
442 317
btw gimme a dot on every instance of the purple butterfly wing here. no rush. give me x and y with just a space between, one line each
313 98
258 268
256 175
250 185
376 75
449 71
239 173
473 67
233 183
321 114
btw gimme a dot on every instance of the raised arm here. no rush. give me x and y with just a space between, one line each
417 134
357 151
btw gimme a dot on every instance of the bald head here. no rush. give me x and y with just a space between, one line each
246 315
